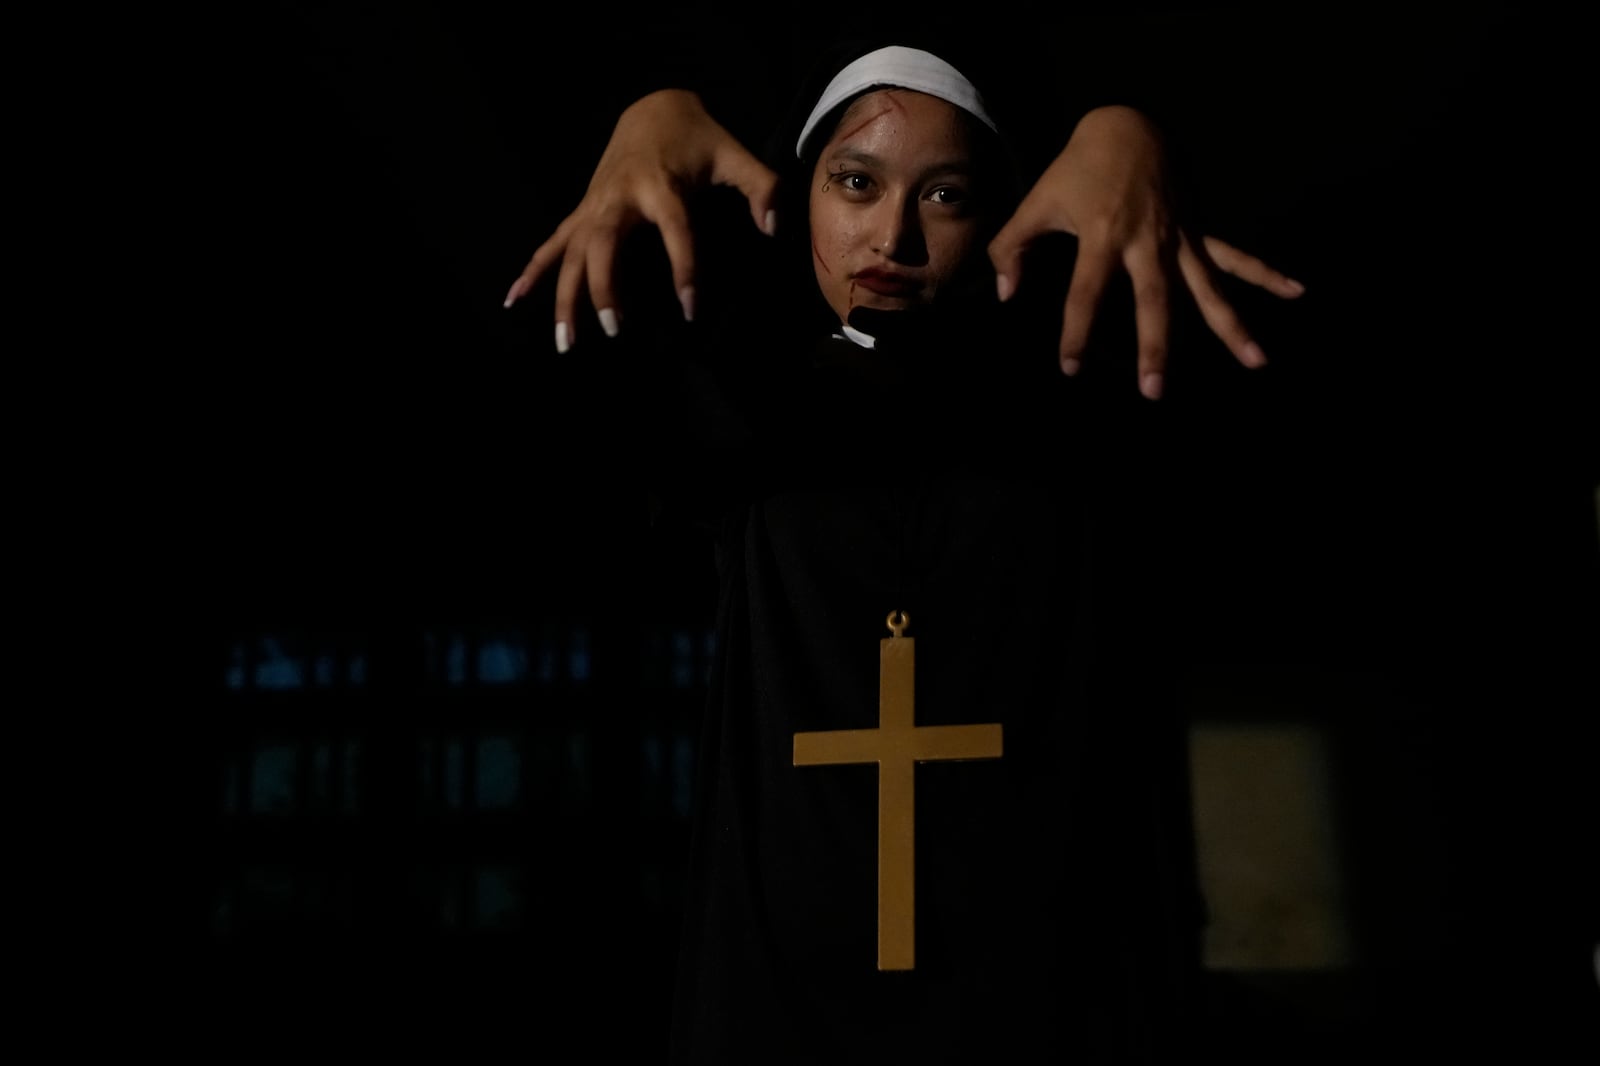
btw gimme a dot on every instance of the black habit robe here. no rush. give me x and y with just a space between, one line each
954 474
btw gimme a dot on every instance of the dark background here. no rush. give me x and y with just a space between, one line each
436 696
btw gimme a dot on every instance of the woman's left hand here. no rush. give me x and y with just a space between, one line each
1110 189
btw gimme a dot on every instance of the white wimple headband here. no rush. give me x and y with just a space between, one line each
901 68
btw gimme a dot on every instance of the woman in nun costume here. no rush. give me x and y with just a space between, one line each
941 805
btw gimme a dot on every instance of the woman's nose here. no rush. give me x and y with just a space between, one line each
897 232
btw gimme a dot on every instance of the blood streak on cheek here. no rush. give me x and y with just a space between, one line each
817 254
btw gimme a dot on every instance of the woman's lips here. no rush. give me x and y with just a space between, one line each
885 283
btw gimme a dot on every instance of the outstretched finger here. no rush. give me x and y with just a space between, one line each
1249 268
758 182
671 219
543 256
1091 272
1152 316
600 256
568 284
1009 246
1215 309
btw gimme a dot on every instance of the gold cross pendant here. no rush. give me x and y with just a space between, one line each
897 745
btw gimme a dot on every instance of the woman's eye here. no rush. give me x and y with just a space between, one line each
855 182
948 194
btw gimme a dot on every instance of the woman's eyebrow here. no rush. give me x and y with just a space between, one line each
856 155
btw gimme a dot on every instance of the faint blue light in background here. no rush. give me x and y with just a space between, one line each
499 772
578 655
276 669
502 661
682 659
272 780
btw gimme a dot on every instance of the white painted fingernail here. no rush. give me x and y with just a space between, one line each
686 298
1150 385
1069 366
563 337
1252 355
770 224
608 321
1296 287
1002 287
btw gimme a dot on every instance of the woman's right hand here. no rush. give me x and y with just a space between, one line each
664 146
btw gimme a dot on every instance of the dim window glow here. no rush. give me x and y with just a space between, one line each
276 669
499 773
502 661
272 780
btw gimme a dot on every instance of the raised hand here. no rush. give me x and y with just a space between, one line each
665 146
1110 189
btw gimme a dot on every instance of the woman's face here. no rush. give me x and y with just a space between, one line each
896 203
